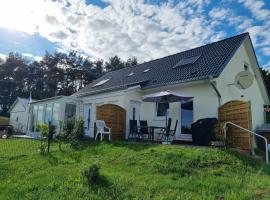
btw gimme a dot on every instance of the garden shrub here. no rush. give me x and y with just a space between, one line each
92 174
78 131
43 128
68 128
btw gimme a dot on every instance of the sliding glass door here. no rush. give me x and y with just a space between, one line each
187 115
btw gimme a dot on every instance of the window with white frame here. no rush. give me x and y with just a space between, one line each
161 109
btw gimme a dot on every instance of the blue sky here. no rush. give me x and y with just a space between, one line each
146 29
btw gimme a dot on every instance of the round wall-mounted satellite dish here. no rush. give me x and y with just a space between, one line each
244 79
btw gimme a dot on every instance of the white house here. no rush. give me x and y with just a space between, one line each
213 74
19 114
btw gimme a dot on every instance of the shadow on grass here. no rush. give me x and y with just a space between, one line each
249 161
104 188
135 146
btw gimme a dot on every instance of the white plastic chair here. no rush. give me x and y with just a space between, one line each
102 129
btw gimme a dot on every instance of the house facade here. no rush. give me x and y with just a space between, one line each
213 74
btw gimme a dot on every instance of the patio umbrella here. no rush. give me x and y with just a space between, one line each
166 97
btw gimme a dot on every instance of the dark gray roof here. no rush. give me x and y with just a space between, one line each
211 60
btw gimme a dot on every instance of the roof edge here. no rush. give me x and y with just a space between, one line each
257 62
233 53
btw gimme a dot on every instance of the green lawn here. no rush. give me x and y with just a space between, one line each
130 171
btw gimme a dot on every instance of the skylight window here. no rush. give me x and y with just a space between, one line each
101 82
131 74
187 61
146 70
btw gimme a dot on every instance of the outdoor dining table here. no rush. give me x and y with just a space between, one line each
151 131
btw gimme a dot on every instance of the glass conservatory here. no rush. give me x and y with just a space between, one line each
54 110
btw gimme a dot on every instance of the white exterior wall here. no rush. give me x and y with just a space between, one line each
205 103
116 98
253 94
18 117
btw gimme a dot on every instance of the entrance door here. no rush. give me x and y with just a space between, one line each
134 110
87 119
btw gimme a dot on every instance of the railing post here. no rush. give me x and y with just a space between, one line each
254 134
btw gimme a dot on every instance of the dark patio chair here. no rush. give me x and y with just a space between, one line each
165 132
133 129
144 131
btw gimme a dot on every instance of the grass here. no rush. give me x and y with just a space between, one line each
129 171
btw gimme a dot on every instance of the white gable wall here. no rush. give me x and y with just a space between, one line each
253 94
18 117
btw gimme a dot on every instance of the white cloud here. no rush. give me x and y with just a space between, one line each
126 28
28 55
220 13
130 28
3 56
257 8
266 51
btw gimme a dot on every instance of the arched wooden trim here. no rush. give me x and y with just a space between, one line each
114 117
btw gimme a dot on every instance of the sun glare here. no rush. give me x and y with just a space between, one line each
22 15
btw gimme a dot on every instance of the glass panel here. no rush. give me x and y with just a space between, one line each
34 117
267 114
88 119
161 109
70 111
186 117
48 113
55 114
267 118
40 114
133 113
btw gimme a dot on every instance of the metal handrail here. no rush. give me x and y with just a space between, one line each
240 127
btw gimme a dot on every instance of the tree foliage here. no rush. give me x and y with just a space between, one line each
56 74
266 77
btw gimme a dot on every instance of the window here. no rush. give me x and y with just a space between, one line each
187 60
267 114
186 117
70 111
40 114
55 114
48 113
133 113
101 82
45 113
161 109
131 74
34 117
